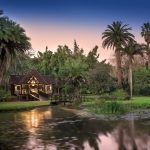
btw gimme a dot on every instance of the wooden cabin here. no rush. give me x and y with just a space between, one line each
32 84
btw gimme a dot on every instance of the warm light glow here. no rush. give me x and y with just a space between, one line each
33 80
33 83
33 118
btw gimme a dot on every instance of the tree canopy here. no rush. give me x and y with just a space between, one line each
13 40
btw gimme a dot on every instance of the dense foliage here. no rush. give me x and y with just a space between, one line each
100 79
13 41
72 70
141 84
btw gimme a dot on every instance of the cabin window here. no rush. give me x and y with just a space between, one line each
17 88
24 88
41 87
24 91
48 88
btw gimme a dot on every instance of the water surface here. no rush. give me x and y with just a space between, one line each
53 128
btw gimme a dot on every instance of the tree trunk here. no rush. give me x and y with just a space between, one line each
119 69
77 92
2 72
148 54
130 76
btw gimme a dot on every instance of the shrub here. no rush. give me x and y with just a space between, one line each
120 94
4 95
106 107
114 107
141 84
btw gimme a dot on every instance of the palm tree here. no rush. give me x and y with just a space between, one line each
131 49
13 40
146 34
115 36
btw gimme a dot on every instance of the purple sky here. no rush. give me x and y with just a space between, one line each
58 22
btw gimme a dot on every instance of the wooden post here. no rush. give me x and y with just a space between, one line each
21 90
44 88
38 88
27 97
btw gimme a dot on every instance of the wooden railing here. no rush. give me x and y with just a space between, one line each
62 98
35 95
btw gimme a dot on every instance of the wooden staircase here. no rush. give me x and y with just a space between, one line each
34 95
39 96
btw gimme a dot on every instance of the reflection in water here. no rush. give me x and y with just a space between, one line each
13 133
57 129
33 118
132 137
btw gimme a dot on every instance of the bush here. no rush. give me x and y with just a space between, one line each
141 84
4 95
106 107
120 94
113 107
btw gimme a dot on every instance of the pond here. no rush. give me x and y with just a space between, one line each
53 128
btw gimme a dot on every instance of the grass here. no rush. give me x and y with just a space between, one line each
100 106
104 107
15 106
140 102
91 103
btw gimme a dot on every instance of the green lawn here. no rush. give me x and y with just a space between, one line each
92 103
142 99
8 106
140 102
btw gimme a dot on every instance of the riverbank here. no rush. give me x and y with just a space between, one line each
100 106
137 114
91 104
17 106
138 108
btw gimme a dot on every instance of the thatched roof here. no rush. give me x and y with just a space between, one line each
23 79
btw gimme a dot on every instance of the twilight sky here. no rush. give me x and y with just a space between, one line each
58 22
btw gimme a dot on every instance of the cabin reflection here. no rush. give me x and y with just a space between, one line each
33 118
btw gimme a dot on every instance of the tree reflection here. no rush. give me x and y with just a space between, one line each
76 133
57 129
73 132
129 136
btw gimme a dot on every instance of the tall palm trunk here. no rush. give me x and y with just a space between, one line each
119 69
148 53
4 65
130 77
